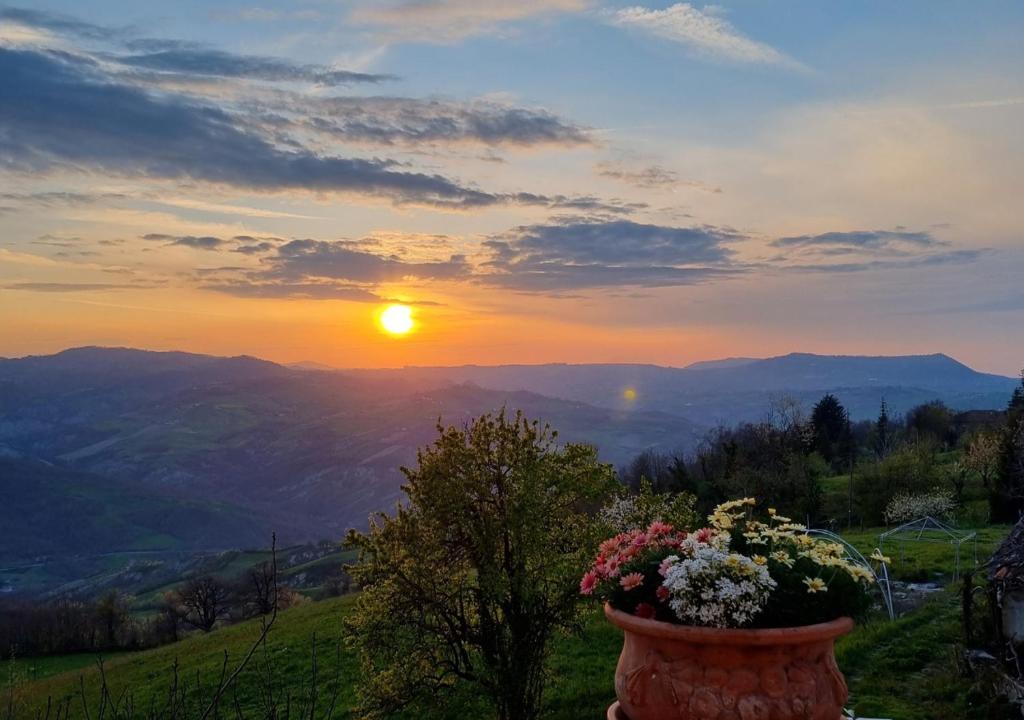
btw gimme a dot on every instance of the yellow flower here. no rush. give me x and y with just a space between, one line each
858 572
760 559
879 557
815 585
781 556
771 511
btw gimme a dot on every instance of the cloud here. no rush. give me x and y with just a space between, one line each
341 260
868 250
52 199
59 287
207 62
551 258
255 248
60 111
952 257
244 244
446 21
649 178
61 24
201 242
705 33
301 290
259 14
390 120
316 269
858 240
577 255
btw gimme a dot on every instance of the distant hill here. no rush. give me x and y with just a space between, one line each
248 446
718 364
120 450
739 389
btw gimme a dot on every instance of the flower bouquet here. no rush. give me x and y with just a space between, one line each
740 615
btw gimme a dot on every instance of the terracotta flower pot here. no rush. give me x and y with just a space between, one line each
679 672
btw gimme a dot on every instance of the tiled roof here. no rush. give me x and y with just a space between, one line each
1007 562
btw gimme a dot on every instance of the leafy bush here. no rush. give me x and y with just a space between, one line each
467 584
910 470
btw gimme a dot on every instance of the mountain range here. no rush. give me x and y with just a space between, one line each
118 451
737 389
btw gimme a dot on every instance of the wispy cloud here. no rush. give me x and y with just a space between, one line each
60 287
324 290
208 62
706 33
951 257
649 177
198 242
61 24
982 104
446 21
860 240
57 198
413 121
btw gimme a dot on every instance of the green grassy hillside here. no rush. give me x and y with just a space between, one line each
900 670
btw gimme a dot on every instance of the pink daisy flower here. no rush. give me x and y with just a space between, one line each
659 528
588 583
631 581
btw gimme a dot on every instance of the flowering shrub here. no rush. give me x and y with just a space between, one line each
905 507
737 572
639 510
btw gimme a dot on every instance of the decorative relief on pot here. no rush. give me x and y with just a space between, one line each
780 688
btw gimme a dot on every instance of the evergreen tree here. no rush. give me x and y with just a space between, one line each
830 422
882 439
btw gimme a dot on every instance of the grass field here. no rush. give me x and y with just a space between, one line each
901 669
930 561
37 668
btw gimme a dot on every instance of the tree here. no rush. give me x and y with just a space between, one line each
112 613
830 424
933 421
257 588
982 455
169 615
1007 497
204 600
958 479
468 581
883 441
649 465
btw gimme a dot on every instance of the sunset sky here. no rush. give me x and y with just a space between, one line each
541 180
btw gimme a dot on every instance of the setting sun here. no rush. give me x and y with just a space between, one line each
396 319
